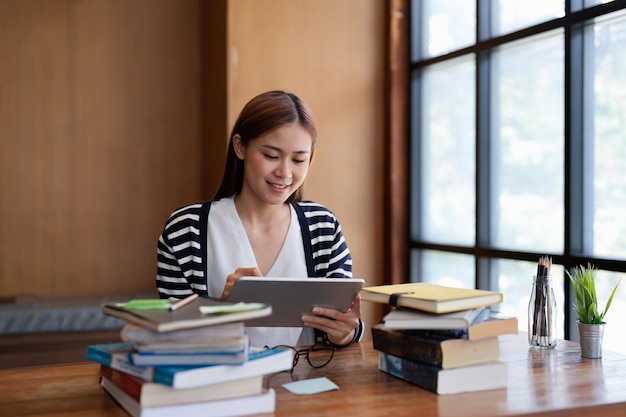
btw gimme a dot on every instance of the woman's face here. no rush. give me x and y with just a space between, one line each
276 164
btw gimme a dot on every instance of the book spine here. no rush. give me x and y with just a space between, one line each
158 359
403 344
258 354
122 363
161 376
98 356
127 383
105 353
420 374
455 334
444 333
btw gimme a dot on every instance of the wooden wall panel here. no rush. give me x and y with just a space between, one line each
112 113
100 138
332 53
215 129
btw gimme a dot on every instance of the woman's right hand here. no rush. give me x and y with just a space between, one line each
239 272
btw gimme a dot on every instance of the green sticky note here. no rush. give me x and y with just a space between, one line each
232 308
147 304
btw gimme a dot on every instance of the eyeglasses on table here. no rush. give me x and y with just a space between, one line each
317 355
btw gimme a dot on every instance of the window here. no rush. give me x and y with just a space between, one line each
517 147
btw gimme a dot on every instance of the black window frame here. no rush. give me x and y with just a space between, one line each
576 230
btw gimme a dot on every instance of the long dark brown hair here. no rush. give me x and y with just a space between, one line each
262 114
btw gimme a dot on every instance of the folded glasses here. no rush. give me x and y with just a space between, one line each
317 355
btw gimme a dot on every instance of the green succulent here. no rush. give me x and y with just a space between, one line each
586 305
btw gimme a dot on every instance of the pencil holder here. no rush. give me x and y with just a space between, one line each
542 314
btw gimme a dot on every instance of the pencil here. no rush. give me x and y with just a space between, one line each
183 302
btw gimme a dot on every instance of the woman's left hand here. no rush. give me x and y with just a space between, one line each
338 326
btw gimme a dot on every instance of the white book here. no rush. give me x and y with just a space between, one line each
241 406
405 319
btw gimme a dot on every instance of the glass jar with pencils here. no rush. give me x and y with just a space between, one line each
542 308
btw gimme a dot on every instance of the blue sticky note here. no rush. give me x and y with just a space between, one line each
311 386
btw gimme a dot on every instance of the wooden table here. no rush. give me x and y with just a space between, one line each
555 383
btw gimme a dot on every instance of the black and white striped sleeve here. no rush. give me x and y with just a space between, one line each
181 261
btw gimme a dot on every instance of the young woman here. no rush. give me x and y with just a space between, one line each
258 225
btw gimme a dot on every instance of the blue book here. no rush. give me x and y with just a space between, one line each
262 362
259 362
105 353
210 357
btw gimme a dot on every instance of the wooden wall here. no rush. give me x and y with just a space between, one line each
332 54
114 112
100 135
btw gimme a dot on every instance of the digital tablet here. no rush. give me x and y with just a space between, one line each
292 298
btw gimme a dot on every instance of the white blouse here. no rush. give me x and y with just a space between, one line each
228 248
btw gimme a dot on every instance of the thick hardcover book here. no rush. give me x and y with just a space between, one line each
151 394
189 316
431 297
265 402
435 350
482 377
261 362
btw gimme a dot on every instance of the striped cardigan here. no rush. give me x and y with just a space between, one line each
182 261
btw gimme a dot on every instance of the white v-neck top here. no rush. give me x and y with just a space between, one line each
228 248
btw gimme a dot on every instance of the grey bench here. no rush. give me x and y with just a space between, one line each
20 315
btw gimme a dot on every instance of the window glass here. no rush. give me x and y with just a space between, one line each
540 124
606 75
447 145
591 3
515 281
443 268
614 336
450 25
511 15
527 145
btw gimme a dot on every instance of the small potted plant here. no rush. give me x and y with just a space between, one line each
590 319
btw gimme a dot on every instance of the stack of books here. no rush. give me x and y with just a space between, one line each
188 362
441 338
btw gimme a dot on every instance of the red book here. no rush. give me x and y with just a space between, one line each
153 394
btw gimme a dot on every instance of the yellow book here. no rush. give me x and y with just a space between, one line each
431 297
